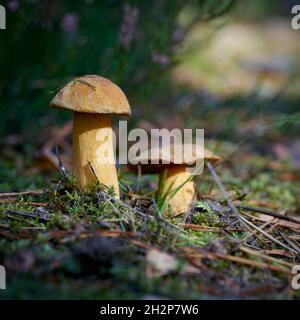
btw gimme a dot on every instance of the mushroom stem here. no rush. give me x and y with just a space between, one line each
93 142
178 177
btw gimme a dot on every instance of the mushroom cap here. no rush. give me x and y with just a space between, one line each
167 153
92 94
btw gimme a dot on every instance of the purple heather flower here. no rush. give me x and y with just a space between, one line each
178 35
70 23
129 21
160 59
13 5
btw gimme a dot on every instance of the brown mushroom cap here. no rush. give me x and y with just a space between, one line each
92 94
163 155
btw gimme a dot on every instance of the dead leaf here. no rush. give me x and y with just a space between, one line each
161 263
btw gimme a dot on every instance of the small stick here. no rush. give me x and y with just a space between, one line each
22 193
61 167
37 204
260 253
226 195
254 233
290 242
241 260
93 170
206 228
27 215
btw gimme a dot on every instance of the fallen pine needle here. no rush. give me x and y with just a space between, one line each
22 193
246 261
266 257
206 228
268 212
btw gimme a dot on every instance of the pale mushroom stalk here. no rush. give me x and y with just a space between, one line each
93 146
93 99
179 189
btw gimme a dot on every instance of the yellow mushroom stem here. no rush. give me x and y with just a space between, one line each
93 142
178 177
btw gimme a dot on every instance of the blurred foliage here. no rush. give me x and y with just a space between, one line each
46 43
259 10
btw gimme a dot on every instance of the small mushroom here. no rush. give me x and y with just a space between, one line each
178 177
93 99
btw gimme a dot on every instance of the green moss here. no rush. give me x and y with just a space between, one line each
202 238
205 215
266 186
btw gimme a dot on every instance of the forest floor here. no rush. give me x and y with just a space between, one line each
59 242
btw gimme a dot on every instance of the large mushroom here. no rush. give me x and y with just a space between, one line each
177 185
93 99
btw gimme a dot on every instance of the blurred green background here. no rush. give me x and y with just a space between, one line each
46 43
209 64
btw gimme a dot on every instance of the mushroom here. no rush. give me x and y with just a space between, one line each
177 184
93 99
